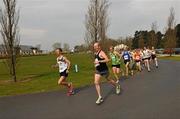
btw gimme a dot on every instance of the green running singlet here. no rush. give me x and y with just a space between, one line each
114 59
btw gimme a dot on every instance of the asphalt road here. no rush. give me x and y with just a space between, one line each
154 95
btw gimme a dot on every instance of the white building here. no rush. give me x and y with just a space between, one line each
24 50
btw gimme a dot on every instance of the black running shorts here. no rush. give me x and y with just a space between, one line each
64 73
104 73
116 66
126 61
153 57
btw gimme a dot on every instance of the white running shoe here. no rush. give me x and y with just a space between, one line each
118 89
99 100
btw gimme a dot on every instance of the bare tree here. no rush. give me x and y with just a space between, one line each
170 35
171 19
91 22
56 45
9 18
104 23
152 37
154 26
97 21
141 41
66 47
128 42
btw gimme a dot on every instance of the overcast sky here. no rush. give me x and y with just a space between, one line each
48 21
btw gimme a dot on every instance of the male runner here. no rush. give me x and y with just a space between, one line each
127 58
137 59
146 57
64 65
153 56
102 71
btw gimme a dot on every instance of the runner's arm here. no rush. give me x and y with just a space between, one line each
134 56
55 65
103 55
118 54
68 62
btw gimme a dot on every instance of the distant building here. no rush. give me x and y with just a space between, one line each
24 50
29 50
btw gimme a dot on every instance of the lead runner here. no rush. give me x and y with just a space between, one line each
102 71
64 65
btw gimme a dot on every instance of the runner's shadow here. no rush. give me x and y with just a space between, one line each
77 90
34 76
124 78
111 92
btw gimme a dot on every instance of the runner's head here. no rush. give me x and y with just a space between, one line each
97 47
136 50
111 49
152 48
145 48
58 51
125 48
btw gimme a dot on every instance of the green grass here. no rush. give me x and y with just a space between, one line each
176 58
36 75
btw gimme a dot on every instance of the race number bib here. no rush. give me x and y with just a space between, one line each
137 57
126 57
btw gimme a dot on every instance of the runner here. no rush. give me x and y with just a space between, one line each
102 71
142 59
123 69
126 56
115 60
132 64
153 56
149 54
137 59
146 58
64 64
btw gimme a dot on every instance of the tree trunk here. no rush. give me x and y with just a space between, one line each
96 19
9 31
13 68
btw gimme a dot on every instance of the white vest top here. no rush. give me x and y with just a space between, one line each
146 54
62 64
153 52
